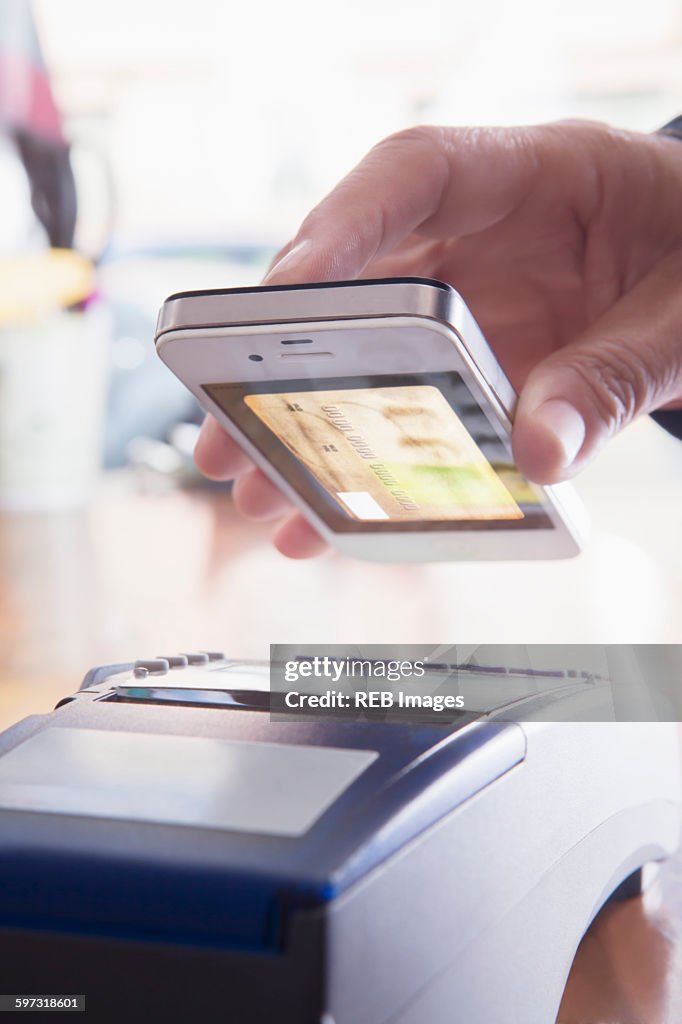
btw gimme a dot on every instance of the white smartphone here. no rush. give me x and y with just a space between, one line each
378 408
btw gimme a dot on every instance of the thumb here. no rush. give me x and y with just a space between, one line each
629 361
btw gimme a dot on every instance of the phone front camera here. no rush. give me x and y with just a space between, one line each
256 358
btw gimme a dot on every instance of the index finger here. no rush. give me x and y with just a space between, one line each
438 181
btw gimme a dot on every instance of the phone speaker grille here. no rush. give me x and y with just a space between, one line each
305 355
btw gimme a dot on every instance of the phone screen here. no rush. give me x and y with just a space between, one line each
411 451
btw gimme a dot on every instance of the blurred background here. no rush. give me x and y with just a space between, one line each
148 147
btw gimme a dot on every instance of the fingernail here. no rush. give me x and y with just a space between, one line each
563 420
290 259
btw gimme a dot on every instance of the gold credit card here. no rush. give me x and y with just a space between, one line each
388 453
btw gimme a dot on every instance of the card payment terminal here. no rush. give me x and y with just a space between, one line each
170 850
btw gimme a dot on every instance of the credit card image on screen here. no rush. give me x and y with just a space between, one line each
414 451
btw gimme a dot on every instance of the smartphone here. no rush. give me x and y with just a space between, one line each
378 408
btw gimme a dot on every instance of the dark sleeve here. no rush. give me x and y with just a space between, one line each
673 127
671 419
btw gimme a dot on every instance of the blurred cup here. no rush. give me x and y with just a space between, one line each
53 377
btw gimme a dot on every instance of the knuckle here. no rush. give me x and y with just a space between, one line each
430 145
587 135
422 134
444 141
619 379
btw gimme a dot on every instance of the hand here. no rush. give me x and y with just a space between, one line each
566 242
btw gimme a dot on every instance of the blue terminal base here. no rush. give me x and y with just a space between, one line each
207 886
